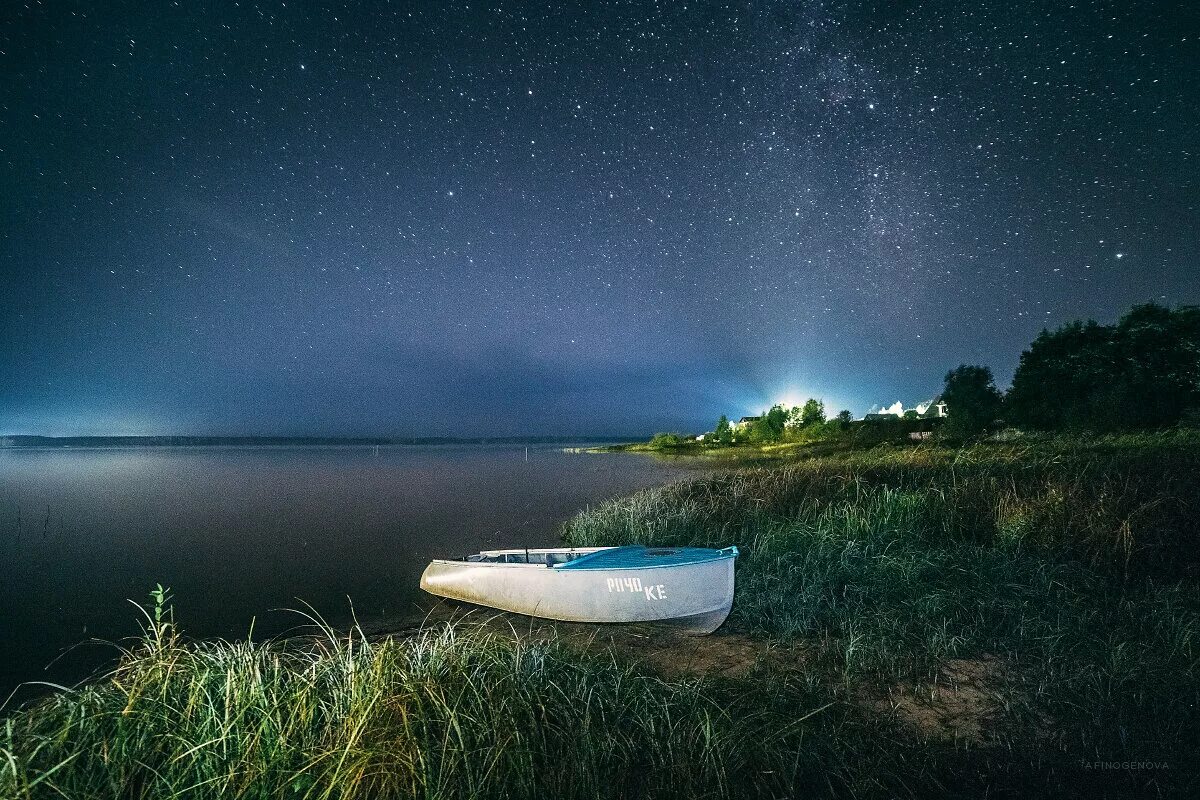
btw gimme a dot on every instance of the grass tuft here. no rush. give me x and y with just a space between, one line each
455 711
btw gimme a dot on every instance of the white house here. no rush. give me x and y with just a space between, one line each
930 408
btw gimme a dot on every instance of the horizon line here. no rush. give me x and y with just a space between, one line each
377 439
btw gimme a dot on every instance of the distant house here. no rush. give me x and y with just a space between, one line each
933 408
745 422
930 409
894 411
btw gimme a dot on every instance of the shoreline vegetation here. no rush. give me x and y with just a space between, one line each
1012 618
1140 374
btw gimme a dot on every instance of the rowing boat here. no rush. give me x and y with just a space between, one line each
689 587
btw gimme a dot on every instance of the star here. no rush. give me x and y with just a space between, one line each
745 222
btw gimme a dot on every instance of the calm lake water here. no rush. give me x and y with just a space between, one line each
237 532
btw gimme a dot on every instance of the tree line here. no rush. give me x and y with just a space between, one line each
1141 373
799 423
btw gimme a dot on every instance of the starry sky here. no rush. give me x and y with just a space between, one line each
569 218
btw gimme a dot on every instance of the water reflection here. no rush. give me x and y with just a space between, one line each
236 532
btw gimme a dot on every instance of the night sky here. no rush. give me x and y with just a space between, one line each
603 217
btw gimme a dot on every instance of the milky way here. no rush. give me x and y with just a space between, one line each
421 219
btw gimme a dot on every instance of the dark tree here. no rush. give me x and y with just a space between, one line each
759 431
972 400
1158 356
668 440
769 427
1060 375
776 420
813 413
724 431
843 418
1143 372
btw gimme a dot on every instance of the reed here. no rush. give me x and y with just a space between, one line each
463 710
1071 563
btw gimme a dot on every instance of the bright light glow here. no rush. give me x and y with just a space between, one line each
792 397
791 400
751 401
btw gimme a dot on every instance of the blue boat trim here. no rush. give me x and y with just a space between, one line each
642 557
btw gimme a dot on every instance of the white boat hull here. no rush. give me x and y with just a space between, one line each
696 596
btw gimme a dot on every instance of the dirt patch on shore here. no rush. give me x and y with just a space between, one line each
960 704
674 654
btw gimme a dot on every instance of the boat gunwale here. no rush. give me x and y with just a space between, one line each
703 555
723 555
518 550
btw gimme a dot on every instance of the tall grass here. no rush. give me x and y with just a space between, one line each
454 711
1071 564
1127 504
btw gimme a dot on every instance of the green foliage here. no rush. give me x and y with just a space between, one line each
1143 372
972 401
844 418
776 421
667 441
724 432
160 627
890 430
454 711
830 431
1121 504
759 432
769 427
813 412
1067 562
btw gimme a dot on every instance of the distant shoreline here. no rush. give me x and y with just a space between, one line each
26 441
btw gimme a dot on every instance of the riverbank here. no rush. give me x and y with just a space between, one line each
1035 605
736 455
1017 618
799 445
